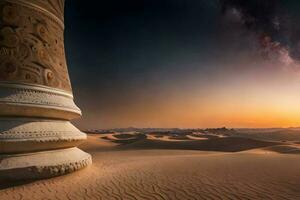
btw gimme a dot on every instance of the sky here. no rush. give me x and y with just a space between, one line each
185 64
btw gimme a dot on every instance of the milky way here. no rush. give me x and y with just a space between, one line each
179 63
273 23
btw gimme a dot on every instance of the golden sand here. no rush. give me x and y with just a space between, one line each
128 171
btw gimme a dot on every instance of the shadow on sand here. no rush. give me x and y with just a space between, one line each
184 142
9 184
230 144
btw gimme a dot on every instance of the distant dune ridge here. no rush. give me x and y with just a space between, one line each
179 164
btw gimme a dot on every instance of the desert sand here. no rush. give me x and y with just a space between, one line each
150 166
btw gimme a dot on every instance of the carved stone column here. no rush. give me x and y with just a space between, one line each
36 103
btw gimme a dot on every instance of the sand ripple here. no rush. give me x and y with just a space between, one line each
130 172
163 174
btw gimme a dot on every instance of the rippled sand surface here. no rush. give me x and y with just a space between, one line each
170 174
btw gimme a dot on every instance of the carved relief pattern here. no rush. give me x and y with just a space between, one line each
39 131
30 96
63 168
56 7
32 46
49 136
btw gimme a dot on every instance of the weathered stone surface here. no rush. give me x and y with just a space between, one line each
42 165
32 44
36 102
20 135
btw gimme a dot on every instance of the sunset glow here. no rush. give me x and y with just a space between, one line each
201 66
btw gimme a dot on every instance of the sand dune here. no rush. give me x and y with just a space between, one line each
180 142
128 171
291 134
285 149
124 138
230 144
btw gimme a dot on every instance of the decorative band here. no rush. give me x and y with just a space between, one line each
38 8
27 95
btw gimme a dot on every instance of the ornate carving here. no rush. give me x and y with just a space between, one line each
56 7
25 128
32 45
33 166
37 139
39 131
42 136
62 169
37 135
31 96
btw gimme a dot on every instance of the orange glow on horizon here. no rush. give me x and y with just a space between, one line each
257 100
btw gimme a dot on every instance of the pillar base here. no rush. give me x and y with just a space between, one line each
37 139
26 135
47 164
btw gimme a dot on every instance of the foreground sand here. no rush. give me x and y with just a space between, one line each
127 173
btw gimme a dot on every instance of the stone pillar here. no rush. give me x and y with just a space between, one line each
37 139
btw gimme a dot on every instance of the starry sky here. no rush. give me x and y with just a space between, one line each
184 63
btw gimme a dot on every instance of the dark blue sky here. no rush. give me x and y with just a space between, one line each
129 57
122 40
